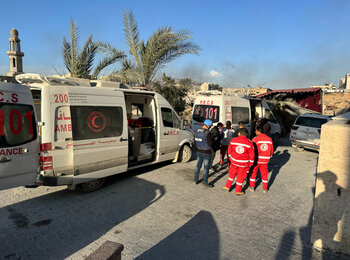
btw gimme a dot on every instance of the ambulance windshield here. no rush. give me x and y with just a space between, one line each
17 124
202 112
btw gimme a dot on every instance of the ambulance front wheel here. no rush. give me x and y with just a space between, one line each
275 139
186 154
91 185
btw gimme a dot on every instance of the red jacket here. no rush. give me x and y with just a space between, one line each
265 148
241 151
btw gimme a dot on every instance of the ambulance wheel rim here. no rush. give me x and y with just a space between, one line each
186 153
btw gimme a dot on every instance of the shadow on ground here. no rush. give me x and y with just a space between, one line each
197 239
56 225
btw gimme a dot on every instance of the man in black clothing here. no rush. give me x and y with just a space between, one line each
216 137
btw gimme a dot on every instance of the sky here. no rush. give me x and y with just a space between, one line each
278 44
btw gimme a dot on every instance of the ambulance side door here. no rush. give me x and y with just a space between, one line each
240 111
170 126
100 134
19 145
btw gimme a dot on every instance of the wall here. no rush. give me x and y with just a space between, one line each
331 219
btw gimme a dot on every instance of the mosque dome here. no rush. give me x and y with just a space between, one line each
14 33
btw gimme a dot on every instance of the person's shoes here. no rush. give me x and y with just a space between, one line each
197 182
225 188
251 188
208 185
239 193
265 191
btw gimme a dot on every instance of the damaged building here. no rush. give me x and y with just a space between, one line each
287 104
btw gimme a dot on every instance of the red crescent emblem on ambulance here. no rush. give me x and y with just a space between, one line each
93 122
96 121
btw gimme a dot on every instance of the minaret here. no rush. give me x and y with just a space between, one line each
15 54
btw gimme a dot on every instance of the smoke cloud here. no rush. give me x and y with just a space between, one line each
325 64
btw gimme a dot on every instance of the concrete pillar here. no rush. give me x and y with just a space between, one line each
331 216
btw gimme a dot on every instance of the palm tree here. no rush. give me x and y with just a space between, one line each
80 63
149 57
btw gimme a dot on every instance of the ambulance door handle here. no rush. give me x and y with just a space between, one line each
57 147
123 139
4 159
165 133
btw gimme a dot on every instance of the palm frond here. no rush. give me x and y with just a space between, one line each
132 35
74 39
164 46
112 55
66 54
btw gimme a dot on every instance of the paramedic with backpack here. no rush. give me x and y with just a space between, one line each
204 143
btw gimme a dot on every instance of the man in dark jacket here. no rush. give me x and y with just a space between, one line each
204 143
216 137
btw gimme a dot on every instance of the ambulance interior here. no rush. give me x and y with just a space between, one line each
141 115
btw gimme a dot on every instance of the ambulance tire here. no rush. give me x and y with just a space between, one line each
91 186
299 148
185 153
276 139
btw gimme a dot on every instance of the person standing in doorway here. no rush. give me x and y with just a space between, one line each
227 133
204 147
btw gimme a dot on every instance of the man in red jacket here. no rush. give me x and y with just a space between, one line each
265 150
241 155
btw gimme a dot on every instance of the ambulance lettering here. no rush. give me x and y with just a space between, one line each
175 132
13 151
64 128
206 102
13 98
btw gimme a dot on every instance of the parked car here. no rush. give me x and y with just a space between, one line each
306 131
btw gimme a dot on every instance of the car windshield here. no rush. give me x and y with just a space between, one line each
202 112
310 121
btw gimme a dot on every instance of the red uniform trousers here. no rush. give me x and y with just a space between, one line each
264 172
223 152
240 172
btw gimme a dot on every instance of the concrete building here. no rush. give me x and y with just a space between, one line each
258 91
329 86
15 54
344 83
206 86
253 92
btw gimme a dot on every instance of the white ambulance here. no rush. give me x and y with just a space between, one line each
221 107
57 131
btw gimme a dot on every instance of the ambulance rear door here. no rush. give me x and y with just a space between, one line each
57 141
19 145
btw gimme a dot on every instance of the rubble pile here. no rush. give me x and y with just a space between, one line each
335 103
